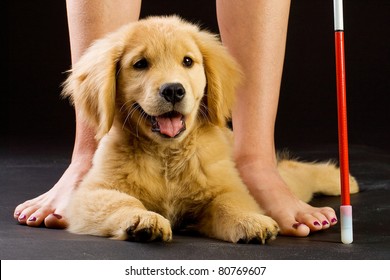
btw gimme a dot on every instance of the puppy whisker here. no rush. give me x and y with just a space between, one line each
130 113
203 112
142 116
119 69
124 105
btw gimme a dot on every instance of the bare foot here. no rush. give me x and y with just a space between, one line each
49 208
295 217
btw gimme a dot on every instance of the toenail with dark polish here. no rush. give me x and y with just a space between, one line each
17 214
22 217
334 220
324 223
296 225
57 216
32 219
316 223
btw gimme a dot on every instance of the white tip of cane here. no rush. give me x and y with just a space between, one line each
346 224
338 15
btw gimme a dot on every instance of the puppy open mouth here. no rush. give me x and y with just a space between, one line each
170 124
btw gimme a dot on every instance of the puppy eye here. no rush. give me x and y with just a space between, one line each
141 64
187 61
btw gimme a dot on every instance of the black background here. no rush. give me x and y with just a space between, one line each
38 54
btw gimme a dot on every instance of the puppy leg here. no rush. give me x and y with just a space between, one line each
104 212
236 217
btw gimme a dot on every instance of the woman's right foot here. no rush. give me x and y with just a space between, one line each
50 208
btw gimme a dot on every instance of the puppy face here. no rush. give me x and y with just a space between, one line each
157 77
161 81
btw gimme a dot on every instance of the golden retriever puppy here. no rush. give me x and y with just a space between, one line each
159 92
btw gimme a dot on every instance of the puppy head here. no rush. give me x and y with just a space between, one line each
158 77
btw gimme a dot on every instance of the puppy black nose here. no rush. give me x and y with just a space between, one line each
173 92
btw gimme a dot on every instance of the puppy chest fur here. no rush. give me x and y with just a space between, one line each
176 181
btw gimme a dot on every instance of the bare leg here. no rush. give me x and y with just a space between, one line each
88 21
255 33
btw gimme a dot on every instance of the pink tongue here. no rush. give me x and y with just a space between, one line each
170 126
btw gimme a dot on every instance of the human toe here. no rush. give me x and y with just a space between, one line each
322 220
36 218
330 215
291 227
20 210
311 221
25 215
55 221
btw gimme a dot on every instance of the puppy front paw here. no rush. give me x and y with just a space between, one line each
145 226
252 228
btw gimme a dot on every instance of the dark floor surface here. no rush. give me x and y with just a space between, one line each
25 174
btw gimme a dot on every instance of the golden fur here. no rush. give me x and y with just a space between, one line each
151 173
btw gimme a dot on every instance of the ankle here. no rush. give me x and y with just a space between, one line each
80 164
261 177
255 163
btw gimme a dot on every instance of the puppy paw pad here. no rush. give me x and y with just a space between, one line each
142 235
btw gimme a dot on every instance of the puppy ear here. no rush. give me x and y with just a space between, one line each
91 84
223 75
